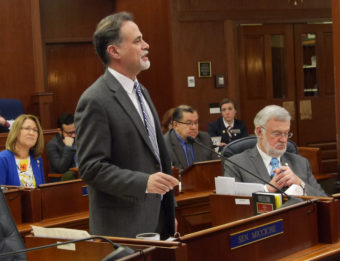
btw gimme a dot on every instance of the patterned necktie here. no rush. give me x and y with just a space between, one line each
150 130
275 164
229 132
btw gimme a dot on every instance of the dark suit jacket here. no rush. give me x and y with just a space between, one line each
251 160
217 128
177 153
115 158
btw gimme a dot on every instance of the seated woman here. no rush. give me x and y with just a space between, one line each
166 123
227 127
21 163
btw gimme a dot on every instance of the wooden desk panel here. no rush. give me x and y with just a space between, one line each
13 198
200 176
84 251
193 211
300 232
63 198
226 209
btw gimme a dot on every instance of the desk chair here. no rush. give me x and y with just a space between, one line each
10 239
10 109
238 146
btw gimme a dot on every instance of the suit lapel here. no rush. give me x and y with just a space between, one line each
124 100
260 168
177 148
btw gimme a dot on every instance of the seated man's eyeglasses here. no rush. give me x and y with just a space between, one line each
189 123
277 134
69 133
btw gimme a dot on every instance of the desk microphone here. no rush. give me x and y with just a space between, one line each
118 252
293 200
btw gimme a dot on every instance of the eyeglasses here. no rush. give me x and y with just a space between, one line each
29 129
279 134
69 133
195 123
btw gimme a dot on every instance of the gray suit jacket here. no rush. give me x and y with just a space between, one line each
251 160
115 158
177 154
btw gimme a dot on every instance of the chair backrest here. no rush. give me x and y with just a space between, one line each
10 239
10 109
238 146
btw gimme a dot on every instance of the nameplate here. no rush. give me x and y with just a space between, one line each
84 191
235 131
255 234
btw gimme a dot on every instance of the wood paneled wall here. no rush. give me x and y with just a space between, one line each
336 55
153 20
16 52
70 59
180 33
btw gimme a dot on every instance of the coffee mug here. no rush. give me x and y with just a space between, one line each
149 236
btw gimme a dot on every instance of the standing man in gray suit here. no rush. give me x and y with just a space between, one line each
182 152
121 152
269 159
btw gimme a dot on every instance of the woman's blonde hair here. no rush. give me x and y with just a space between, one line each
13 134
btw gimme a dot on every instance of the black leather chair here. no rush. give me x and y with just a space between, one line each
238 146
10 239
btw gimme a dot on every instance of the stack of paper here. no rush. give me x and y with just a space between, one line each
228 186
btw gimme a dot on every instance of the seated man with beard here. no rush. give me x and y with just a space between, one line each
269 159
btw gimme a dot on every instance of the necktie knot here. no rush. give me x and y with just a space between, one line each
274 162
136 86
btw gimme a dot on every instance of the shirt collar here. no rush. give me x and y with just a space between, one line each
226 124
180 139
266 158
126 82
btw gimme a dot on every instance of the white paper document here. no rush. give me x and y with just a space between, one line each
294 190
228 186
60 233
247 189
224 185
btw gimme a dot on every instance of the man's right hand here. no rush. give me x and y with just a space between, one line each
161 183
276 181
68 141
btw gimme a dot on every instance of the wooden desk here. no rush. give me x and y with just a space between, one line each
13 198
154 250
87 250
300 231
51 205
193 211
200 176
165 251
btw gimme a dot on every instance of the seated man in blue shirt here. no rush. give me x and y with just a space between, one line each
183 153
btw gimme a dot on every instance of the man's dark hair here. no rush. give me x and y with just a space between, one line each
177 115
228 100
108 32
65 118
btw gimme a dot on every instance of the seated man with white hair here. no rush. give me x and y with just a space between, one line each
269 159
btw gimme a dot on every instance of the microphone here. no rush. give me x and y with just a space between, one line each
192 140
119 251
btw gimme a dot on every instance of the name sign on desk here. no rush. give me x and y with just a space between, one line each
84 191
255 234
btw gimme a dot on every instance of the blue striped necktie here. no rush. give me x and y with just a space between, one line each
147 121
